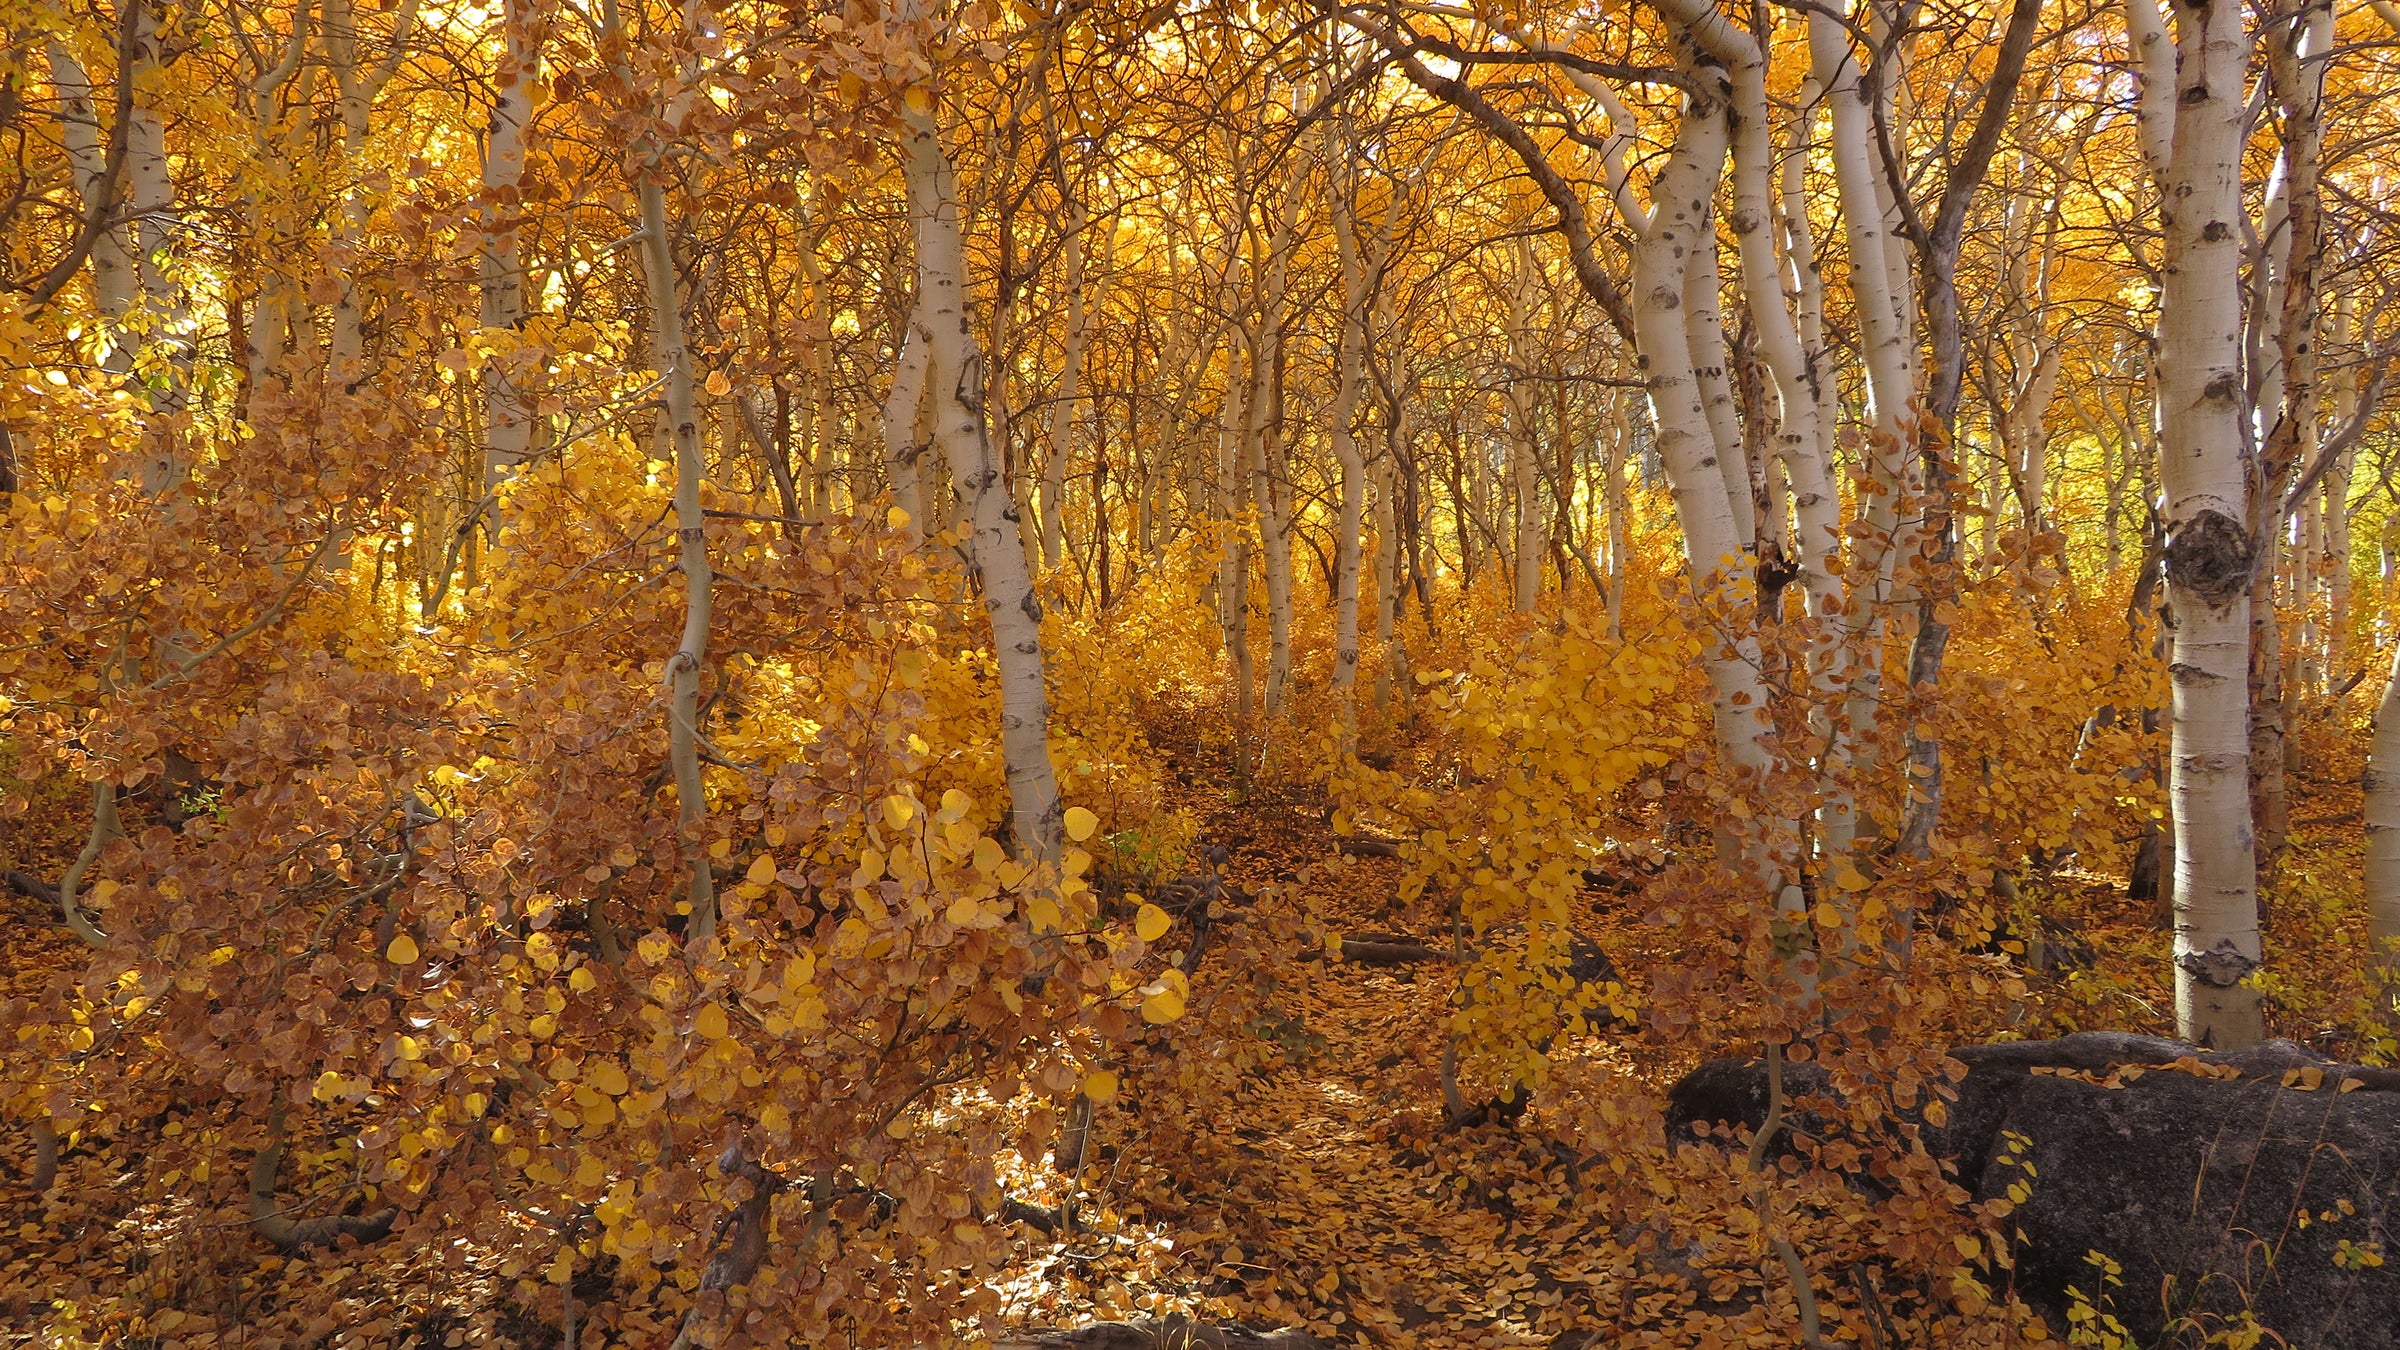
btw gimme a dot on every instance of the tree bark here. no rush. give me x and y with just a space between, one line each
507 415
1349 375
685 663
2208 548
996 547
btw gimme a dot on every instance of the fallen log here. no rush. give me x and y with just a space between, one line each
2259 1183
1389 949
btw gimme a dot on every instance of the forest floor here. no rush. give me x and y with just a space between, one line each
1328 1194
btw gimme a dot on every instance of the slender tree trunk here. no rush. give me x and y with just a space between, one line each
1269 467
997 540
1349 375
1891 377
113 284
2382 868
1233 501
2337 492
358 88
684 665
2296 69
507 414
902 446
1062 405
1523 434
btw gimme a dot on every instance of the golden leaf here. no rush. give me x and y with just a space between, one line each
1151 923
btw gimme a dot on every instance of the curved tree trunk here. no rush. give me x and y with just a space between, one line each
996 544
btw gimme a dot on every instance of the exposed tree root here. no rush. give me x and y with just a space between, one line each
292 1234
31 886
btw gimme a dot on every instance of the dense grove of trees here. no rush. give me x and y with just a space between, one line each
626 630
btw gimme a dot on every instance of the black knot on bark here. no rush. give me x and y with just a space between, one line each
2222 965
2208 557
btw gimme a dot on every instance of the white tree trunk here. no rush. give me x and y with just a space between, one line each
2208 550
113 251
1063 403
507 414
2337 488
901 444
1268 448
1704 334
1523 436
1387 575
1349 373
684 665
996 541
1889 357
357 89
2382 813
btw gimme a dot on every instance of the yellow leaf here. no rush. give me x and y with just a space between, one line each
654 947
608 1077
710 1024
919 99
1081 823
1151 923
896 518
962 912
898 811
403 951
1164 1006
1101 1086
583 981
762 871
475 1104
1043 913
718 385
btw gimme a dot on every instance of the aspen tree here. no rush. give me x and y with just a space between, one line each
2191 116
2381 868
1064 401
357 89
1349 374
507 414
995 546
1524 473
278 328
682 426
1268 449
903 406
1889 357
